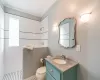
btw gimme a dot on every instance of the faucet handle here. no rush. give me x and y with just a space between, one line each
63 56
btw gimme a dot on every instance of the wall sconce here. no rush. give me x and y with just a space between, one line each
55 27
85 17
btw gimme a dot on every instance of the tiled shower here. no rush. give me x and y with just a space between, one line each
30 32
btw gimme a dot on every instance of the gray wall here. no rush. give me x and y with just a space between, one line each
87 35
31 60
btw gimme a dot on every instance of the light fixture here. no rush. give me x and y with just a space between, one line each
85 17
55 27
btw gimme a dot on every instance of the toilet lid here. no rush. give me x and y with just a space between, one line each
41 70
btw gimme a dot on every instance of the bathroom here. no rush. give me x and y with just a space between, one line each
37 28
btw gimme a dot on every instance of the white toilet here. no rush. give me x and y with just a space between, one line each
41 73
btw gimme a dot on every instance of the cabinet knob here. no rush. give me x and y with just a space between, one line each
51 70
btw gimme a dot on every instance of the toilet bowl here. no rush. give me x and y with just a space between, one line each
41 73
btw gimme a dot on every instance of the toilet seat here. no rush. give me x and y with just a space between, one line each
41 70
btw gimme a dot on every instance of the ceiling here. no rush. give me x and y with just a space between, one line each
34 7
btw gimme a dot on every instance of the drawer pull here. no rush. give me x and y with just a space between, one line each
51 70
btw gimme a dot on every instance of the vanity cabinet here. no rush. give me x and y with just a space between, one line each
53 73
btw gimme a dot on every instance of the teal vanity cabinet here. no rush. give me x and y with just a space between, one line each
61 72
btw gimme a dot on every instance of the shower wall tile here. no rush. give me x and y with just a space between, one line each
1 33
29 25
30 36
14 55
1 43
44 26
44 36
29 33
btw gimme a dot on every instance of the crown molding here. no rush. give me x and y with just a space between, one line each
21 14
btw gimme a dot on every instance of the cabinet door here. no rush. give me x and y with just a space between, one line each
53 71
49 77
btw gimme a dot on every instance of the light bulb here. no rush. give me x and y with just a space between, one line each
85 17
55 27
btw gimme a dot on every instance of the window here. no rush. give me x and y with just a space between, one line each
13 32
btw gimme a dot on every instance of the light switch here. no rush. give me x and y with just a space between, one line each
78 48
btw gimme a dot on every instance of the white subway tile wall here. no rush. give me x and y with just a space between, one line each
29 33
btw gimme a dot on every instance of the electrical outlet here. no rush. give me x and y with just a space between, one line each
78 48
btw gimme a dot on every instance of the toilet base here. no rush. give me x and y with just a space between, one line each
39 79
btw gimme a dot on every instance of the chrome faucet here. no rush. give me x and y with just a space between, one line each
63 57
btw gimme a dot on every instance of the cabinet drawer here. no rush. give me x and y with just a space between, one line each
53 71
49 77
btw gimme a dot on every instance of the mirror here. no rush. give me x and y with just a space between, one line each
67 33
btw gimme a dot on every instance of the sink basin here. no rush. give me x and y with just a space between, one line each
59 61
